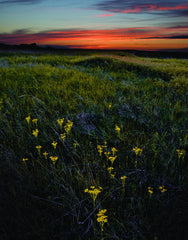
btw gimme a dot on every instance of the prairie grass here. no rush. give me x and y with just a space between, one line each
123 122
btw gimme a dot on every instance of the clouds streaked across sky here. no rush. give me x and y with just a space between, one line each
101 24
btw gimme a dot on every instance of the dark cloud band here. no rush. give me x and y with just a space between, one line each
136 6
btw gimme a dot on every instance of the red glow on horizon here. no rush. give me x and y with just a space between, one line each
123 38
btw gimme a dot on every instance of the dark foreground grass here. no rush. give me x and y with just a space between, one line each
112 104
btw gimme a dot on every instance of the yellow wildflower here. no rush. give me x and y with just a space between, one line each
137 151
163 189
38 148
102 218
123 180
54 144
110 105
114 150
53 159
117 128
25 159
35 132
63 136
28 119
68 126
112 175
150 190
105 145
75 144
107 154
110 169
45 155
93 191
100 150
181 153
34 121
112 159
60 122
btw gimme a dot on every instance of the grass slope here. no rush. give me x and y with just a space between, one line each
145 98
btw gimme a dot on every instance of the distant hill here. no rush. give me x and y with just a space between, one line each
34 48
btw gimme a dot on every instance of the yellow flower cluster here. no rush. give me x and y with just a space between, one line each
114 150
138 151
54 144
38 148
60 122
103 148
100 149
34 121
28 119
53 159
181 153
25 159
105 145
110 169
107 154
45 155
112 159
93 191
150 190
68 126
75 144
123 180
112 175
162 189
117 128
35 132
63 136
102 218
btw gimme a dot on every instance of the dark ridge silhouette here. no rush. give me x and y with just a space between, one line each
34 48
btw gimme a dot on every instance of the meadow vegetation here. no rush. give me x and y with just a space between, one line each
93 147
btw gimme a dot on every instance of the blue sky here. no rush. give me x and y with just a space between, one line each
121 24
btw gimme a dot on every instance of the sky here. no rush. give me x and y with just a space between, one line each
96 24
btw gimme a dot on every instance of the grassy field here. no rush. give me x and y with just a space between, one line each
83 134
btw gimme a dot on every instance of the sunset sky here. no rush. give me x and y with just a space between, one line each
96 24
